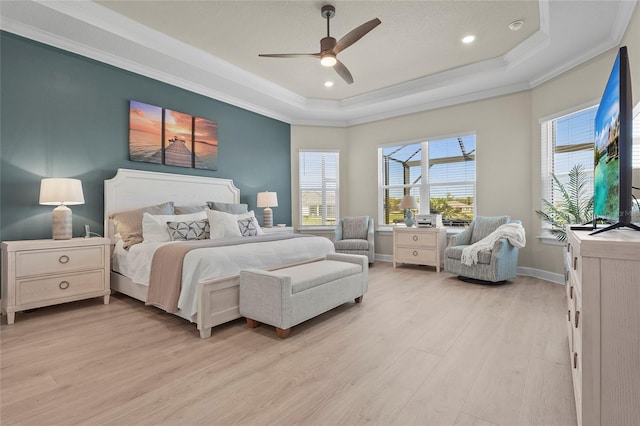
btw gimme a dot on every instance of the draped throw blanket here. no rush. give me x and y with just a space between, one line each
165 280
513 232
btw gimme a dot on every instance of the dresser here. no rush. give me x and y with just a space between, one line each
419 246
603 323
38 273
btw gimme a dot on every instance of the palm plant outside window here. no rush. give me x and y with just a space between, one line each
440 173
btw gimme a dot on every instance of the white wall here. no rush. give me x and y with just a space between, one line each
508 147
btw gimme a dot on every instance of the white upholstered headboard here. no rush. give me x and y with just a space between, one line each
132 189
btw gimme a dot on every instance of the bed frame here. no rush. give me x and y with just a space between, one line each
218 298
132 189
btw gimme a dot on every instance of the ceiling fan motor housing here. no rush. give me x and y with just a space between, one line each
327 44
328 11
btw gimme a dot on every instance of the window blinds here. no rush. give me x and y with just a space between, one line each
318 185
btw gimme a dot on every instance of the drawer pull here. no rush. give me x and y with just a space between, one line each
569 248
575 263
63 259
577 318
415 238
415 253
575 360
63 285
571 292
569 315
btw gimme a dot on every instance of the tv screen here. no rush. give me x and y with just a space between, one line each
613 139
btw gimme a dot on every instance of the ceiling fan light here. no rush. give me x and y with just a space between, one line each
328 60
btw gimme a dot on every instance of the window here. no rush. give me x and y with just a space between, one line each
444 184
318 188
567 141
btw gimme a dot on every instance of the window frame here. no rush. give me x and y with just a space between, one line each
322 189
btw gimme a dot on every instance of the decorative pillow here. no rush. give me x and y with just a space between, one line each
247 227
190 209
355 228
154 227
231 208
484 225
185 231
128 224
225 225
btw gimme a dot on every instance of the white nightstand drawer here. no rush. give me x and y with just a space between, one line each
417 255
417 239
56 287
39 262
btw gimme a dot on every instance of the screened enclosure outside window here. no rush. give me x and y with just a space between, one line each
318 188
443 184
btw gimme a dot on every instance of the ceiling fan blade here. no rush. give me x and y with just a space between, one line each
343 72
355 35
289 55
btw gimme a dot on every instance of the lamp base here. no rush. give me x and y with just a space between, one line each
408 220
62 226
267 219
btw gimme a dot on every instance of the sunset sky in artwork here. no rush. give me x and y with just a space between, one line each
206 131
177 124
146 120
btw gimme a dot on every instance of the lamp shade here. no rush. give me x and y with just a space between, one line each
267 199
409 202
61 191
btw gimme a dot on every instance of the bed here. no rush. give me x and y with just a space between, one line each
214 288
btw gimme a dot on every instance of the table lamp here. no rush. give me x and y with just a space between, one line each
267 200
61 192
409 202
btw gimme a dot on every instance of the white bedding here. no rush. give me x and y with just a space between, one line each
217 262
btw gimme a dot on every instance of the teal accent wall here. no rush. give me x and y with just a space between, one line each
64 115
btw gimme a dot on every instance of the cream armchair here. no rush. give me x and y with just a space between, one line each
355 235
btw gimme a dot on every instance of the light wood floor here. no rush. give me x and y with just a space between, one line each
422 349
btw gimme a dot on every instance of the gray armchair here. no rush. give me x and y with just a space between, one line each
499 264
355 235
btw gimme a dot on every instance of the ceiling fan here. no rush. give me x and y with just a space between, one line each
329 47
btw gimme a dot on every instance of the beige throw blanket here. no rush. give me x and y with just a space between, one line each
513 232
165 280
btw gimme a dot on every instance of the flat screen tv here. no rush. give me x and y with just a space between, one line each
612 173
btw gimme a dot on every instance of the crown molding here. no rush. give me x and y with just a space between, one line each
91 30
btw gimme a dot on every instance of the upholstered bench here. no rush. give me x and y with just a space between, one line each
286 297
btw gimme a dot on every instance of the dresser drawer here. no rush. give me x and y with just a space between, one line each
60 286
417 255
417 239
575 261
39 262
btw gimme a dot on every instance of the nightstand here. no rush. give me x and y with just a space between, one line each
38 273
420 246
285 229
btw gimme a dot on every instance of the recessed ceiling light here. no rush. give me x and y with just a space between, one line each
516 25
328 84
468 39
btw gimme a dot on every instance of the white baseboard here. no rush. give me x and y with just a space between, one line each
384 257
543 275
522 270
